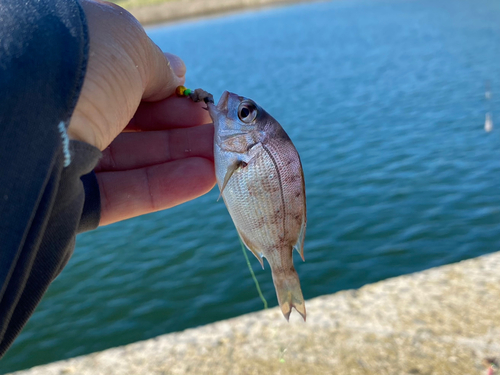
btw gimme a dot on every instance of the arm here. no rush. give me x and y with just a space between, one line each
49 189
43 57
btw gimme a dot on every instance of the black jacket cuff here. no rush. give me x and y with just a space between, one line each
91 214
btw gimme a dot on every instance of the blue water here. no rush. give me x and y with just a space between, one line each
384 101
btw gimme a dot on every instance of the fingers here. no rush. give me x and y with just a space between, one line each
136 192
173 112
139 149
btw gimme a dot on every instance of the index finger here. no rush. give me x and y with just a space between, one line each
169 113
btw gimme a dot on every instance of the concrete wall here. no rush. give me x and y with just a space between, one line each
182 9
444 320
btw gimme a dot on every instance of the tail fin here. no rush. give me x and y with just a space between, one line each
287 285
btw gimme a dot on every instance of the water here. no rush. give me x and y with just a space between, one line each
385 103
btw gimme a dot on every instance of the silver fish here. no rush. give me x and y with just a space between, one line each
260 177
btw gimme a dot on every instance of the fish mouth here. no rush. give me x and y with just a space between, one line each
220 108
223 101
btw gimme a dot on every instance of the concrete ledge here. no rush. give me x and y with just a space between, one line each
182 9
444 320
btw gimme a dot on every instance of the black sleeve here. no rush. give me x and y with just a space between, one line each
48 191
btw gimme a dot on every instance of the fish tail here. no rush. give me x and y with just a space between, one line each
287 285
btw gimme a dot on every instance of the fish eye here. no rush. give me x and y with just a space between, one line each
247 112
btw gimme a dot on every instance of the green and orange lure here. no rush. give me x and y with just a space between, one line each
182 91
197 95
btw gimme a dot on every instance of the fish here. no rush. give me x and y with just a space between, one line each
260 177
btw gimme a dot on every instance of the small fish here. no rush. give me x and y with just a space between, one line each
260 177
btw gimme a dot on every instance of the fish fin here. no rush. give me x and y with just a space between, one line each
299 246
230 170
287 285
300 242
248 245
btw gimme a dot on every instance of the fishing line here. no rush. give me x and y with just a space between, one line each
253 274
282 351
183 91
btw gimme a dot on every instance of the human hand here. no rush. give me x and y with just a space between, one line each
171 161
155 154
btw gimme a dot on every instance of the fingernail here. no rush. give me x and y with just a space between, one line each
176 64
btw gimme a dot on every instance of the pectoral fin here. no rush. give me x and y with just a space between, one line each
230 170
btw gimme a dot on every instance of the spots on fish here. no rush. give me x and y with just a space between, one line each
292 178
284 242
282 194
298 194
260 222
271 187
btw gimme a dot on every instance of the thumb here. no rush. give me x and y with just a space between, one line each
124 68
165 72
132 60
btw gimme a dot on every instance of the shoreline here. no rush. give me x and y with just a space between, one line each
443 320
181 10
